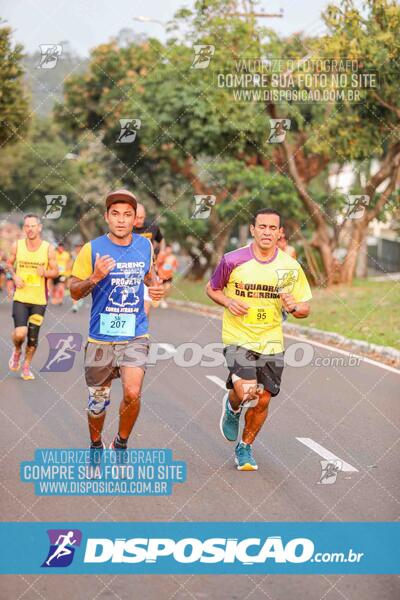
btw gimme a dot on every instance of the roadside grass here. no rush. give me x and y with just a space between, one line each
190 291
366 310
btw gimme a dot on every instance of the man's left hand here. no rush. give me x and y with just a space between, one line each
156 291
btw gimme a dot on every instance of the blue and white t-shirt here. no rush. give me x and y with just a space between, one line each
117 313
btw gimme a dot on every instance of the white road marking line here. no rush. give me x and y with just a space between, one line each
320 450
217 380
345 352
327 454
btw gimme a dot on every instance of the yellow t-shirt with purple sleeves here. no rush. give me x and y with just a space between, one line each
258 284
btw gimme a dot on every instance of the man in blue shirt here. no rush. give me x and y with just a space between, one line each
114 268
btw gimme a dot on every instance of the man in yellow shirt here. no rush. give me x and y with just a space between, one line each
34 262
254 284
64 263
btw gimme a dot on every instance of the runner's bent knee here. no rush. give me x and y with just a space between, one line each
243 387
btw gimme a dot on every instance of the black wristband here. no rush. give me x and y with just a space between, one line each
293 310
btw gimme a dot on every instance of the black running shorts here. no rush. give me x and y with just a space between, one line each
21 311
266 369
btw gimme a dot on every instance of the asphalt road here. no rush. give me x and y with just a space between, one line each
350 411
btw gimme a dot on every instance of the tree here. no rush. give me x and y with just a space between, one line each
13 99
196 139
38 167
355 132
192 139
245 193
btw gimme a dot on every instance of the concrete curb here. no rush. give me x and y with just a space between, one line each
385 354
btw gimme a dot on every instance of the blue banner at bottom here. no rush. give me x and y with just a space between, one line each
200 548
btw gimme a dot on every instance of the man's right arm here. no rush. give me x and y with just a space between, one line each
19 282
215 290
79 288
217 296
11 259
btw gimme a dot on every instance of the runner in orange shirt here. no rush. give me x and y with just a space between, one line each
167 264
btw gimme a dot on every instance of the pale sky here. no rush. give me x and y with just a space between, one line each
87 23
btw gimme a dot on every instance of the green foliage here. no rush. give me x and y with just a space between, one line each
194 138
14 112
358 131
38 168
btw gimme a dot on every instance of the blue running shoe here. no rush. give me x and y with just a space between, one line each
229 423
244 458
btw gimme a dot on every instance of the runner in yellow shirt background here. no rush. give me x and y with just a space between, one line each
58 284
31 262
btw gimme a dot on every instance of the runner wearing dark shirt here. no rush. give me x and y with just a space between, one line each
147 229
153 233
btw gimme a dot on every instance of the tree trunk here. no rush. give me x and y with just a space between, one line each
323 245
220 243
197 270
348 267
211 250
362 262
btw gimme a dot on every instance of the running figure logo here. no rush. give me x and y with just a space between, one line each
330 469
279 127
129 129
203 54
62 349
286 280
54 206
251 393
50 55
355 206
203 206
62 547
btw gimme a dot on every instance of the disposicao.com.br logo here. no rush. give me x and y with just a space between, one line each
201 547
247 551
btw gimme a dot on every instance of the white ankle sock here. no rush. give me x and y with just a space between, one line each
235 412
